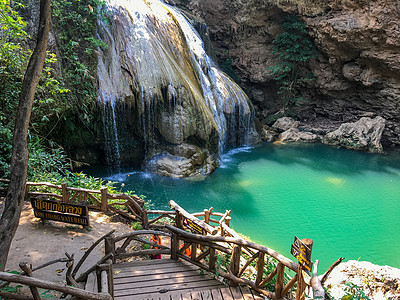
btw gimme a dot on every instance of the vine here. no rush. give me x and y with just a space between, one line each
294 48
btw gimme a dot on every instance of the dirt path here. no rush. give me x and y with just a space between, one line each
37 243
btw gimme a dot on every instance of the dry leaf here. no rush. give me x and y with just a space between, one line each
59 271
116 272
84 248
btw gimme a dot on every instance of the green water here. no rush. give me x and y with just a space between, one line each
346 201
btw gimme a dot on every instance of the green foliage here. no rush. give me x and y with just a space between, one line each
226 66
354 292
75 22
136 226
295 49
13 62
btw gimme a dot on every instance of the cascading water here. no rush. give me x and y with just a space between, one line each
182 108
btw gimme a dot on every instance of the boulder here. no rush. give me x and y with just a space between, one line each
285 123
182 161
363 135
295 135
377 282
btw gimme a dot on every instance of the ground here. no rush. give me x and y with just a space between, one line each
37 243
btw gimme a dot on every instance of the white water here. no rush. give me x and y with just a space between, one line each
156 62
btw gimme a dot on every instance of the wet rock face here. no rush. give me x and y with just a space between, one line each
158 87
357 68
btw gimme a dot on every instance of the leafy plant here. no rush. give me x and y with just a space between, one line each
136 226
354 292
295 49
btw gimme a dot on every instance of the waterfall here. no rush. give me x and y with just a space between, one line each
180 102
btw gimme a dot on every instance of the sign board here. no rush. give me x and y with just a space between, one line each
193 226
302 253
61 212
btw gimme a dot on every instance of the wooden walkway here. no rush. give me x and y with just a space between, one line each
166 279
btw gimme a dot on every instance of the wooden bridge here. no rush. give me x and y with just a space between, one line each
221 266
168 279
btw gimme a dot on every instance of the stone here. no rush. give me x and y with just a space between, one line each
184 162
285 123
363 135
295 135
268 135
377 282
356 70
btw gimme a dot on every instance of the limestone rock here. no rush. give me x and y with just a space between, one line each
285 123
364 135
182 161
357 68
295 135
377 282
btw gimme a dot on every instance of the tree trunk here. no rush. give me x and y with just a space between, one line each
19 160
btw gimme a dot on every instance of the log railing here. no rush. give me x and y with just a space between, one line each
207 250
25 277
207 253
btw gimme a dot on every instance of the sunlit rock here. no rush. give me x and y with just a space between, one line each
285 123
295 135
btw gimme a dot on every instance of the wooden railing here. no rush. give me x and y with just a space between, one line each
247 260
206 249
71 288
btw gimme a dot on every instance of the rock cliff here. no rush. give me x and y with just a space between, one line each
357 67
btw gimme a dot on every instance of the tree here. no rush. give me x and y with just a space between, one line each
19 159
295 49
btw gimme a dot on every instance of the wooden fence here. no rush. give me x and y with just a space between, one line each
248 263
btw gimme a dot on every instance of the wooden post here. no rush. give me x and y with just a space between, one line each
212 260
301 285
260 268
179 220
104 200
235 262
193 252
28 272
174 246
228 218
110 272
145 219
318 290
65 195
279 280
207 216
109 245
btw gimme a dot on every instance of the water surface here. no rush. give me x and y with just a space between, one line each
346 201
